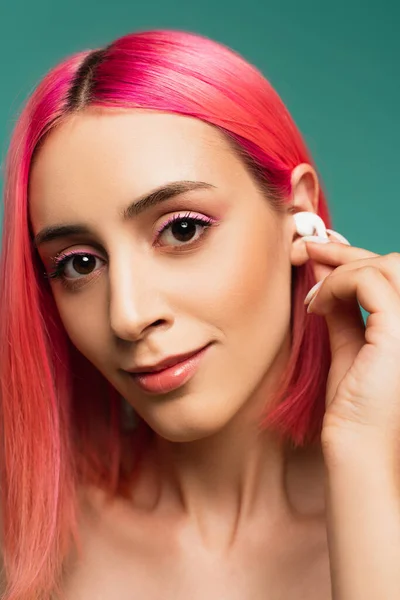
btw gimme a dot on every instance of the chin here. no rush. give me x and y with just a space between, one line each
187 432
189 417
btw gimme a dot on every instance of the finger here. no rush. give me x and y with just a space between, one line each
346 336
335 254
338 301
389 266
320 269
343 317
328 255
366 284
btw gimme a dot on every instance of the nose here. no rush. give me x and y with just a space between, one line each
136 305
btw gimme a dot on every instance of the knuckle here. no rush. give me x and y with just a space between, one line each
337 272
393 259
368 271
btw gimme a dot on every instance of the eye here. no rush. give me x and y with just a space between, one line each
182 230
75 265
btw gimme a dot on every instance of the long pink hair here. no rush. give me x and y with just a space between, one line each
60 420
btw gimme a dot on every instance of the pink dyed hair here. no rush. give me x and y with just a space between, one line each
59 417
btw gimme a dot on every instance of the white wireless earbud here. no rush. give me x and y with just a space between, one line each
307 223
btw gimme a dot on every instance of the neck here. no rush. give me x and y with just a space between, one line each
231 478
225 480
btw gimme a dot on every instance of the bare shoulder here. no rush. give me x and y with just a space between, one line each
128 551
117 547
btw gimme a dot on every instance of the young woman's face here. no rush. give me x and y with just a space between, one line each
203 264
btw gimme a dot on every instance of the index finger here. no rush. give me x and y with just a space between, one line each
334 254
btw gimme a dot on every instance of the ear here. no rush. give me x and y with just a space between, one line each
305 195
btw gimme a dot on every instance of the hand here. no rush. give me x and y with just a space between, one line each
363 387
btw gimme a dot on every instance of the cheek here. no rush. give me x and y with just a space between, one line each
80 315
241 280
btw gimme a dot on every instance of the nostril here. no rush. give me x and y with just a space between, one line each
158 322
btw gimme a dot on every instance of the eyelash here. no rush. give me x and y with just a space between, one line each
61 260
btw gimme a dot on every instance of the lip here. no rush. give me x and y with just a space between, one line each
163 364
169 374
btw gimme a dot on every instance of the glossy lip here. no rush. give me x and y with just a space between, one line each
171 377
170 361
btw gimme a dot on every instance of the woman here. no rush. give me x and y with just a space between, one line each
154 266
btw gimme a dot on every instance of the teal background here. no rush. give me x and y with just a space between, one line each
335 65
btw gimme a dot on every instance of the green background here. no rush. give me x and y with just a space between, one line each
335 65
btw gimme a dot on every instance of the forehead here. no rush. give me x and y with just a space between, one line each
120 154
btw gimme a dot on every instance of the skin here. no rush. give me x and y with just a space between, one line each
241 514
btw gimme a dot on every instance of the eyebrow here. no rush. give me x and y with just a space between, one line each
138 206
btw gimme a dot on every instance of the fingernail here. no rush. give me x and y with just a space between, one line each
312 292
316 238
339 236
309 307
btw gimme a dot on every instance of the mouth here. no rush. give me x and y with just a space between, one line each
163 364
169 374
